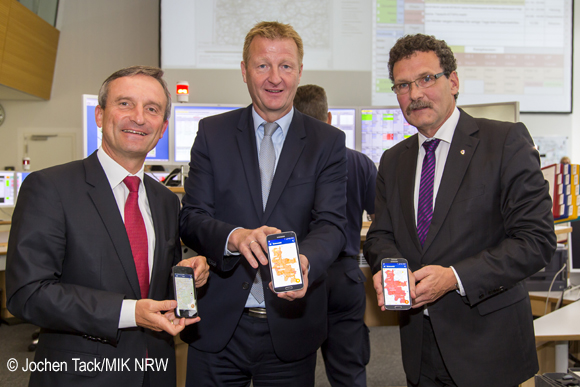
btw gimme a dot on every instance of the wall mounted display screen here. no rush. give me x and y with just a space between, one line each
92 135
383 128
510 50
209 34
345 120
185 124
513 50
7 189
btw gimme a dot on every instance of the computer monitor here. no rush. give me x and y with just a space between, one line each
185 119
92 135
20 176
381 129
345 120
7 189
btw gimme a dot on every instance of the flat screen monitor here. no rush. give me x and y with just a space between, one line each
381 129
345 120
92 135
7 189
575 248
20 176
185 120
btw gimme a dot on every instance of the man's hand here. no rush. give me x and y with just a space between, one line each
291 296
148 315
378 285
430 283
251 243
379 288
200 269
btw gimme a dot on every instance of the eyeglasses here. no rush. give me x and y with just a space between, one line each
421 83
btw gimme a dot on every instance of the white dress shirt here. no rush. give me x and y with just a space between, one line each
115 174
445 134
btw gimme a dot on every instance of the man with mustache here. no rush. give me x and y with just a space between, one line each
92 245
465 202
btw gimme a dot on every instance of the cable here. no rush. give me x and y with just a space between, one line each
550 288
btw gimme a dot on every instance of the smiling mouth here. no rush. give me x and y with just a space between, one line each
274 91
134 132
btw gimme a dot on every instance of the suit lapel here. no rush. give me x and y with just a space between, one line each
102 196
406 183
291 151
249 154
462 148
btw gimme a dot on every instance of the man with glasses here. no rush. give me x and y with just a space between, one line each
465 202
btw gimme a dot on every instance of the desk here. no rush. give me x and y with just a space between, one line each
538 301
560 326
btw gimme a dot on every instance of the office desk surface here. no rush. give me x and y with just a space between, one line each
562 324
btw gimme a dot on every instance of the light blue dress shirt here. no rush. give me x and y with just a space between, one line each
278 139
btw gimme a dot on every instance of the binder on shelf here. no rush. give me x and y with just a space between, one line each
553 174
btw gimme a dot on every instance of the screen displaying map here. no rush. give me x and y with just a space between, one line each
396 284
185 295
284 261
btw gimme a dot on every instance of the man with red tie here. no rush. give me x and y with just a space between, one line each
92 245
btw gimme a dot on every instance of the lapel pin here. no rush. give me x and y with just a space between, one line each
462 152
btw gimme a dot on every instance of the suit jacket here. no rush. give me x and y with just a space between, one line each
491 222
307 196
69 266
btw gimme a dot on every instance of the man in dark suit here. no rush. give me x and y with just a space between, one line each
254 172
465 202
346 350
91 250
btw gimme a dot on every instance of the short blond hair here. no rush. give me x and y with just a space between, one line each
272 31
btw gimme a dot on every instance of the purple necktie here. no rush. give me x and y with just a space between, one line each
425 207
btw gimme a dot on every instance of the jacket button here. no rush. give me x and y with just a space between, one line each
245 285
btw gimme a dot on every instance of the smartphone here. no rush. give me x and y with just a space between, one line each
396 291
184 287
284 262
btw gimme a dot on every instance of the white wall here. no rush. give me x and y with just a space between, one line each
99 37
96 39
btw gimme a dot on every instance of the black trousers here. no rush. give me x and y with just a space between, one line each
249 356
346 351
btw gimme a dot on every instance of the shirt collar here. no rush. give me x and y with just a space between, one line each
446 131
115 173
283 122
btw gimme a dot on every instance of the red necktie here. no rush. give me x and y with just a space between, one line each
137 233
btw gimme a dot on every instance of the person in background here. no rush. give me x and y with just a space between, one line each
565 160
346 350
465 202
255 172
92 245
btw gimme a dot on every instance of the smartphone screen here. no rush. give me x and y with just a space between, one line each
396 283
184 292
284 262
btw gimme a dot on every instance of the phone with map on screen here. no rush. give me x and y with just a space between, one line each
396 291
284 262
184 288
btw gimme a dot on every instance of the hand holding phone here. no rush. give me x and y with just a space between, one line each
395 283
184 288
284 262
